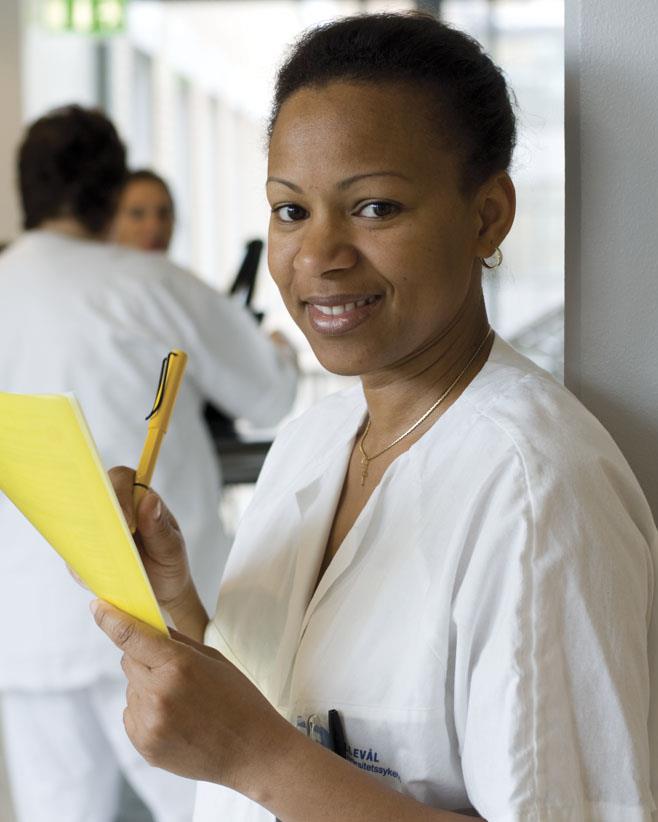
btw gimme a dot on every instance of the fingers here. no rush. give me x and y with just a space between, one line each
135 671
135 638
122 480
156 524
77 578
158 529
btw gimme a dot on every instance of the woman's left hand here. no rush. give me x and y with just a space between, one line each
189 710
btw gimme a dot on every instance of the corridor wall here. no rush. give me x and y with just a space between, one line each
11 79
611 305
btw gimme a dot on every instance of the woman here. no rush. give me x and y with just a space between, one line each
454 560
145 214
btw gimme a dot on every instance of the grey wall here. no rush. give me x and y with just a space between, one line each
10 97
612 222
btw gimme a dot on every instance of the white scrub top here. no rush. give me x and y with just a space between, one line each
97 320
483 628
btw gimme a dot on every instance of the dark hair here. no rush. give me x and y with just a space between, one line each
146 175
71 163
469 89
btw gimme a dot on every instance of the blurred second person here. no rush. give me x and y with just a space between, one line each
84 315
145 212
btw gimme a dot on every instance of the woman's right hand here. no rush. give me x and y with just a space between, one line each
158 539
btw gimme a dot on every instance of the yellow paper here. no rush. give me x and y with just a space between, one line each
51 471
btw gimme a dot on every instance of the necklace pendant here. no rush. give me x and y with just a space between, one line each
364 470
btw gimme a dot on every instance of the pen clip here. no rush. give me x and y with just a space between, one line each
162 384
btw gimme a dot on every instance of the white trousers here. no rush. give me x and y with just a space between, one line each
64 753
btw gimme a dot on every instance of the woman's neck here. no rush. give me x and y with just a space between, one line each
400 396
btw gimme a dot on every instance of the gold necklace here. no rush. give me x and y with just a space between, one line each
366 460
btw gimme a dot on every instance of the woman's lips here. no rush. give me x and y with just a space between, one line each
337 315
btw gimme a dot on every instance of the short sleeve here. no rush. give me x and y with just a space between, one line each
551 680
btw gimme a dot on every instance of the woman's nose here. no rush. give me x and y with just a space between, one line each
324 248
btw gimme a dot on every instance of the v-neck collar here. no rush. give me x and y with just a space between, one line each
345 554
317 491
353 414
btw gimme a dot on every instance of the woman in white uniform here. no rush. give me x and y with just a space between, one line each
79 314
446 574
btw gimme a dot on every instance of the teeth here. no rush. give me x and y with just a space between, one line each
336 310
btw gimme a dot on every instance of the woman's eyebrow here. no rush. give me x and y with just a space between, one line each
343 183
284 182
356 177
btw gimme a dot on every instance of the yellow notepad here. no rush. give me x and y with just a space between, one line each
51 471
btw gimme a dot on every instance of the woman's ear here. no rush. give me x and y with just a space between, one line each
496 207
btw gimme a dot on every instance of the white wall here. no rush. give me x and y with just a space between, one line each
611 345
59 68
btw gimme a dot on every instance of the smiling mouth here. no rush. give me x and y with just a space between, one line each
337 315
343 308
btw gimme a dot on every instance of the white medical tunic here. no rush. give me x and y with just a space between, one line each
483 628
97 320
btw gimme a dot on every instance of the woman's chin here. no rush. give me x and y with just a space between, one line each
344 361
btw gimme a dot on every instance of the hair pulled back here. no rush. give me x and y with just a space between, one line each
146 175
71 163
472 103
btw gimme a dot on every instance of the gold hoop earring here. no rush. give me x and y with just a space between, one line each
494 260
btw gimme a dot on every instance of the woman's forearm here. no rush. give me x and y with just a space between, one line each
300 781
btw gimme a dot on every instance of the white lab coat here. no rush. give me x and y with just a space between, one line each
97 320
483 629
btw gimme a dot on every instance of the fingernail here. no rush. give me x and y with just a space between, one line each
157 511
94 606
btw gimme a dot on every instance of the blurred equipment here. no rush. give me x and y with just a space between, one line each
245 280
241 461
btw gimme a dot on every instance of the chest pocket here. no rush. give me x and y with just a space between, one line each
409 750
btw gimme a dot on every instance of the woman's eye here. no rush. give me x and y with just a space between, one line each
289 213
378 209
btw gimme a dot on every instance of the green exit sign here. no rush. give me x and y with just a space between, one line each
85 16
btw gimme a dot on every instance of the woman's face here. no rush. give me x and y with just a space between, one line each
371 242
145 216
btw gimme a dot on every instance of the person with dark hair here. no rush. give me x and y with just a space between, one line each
446 573
145 214
71 167
80 314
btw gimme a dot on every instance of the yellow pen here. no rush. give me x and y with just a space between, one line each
171 376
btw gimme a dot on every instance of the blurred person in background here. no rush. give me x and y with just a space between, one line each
84 315
145 214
